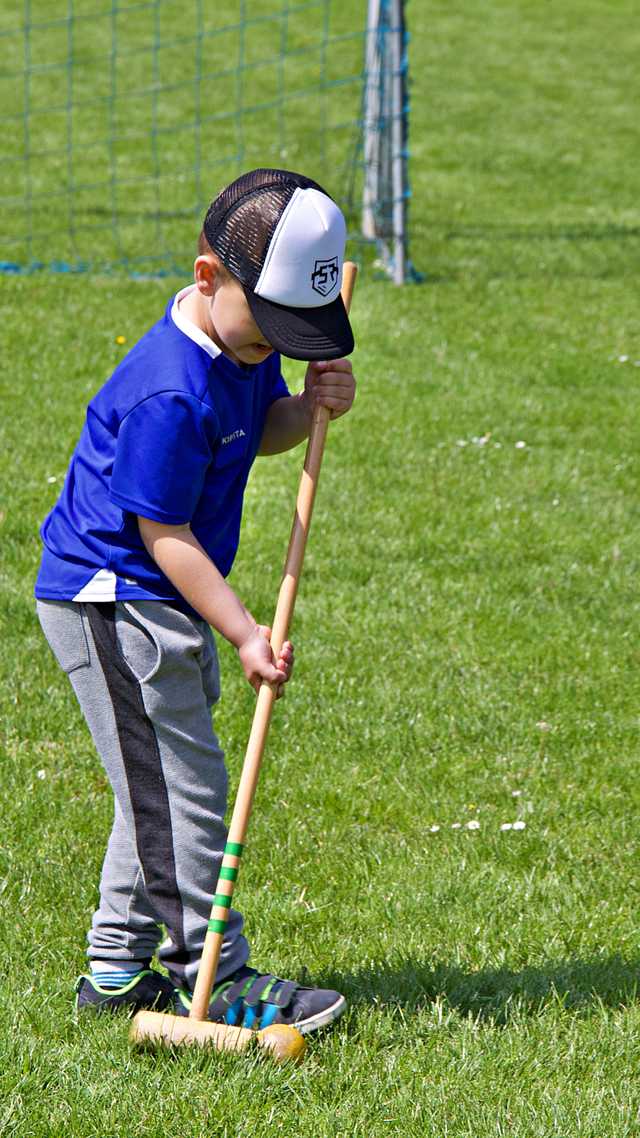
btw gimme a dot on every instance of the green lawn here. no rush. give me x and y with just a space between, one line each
467 650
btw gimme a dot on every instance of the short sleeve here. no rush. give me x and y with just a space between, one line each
279 388
164 447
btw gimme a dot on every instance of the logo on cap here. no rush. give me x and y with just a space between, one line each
325 276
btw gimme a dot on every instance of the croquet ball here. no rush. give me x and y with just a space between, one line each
285 1044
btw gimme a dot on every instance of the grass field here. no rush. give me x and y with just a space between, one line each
467 651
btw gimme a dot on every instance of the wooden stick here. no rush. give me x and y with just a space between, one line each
266 697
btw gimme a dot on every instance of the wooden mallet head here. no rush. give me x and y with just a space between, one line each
280 1042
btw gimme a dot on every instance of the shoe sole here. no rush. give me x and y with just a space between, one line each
322 1019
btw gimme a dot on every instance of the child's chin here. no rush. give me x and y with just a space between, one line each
256 355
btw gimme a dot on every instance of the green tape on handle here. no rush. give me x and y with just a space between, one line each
228 873
222 900
234 848
215 926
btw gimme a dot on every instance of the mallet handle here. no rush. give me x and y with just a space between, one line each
266 696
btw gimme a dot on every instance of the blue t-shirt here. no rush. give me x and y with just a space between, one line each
171 436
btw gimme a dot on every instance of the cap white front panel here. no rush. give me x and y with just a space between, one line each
303 265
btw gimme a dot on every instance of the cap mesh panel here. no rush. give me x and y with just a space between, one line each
240 223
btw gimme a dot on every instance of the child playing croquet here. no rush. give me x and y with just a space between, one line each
136 552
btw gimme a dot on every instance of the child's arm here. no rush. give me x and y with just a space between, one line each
288 420
183 560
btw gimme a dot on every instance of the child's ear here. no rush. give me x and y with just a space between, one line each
206 273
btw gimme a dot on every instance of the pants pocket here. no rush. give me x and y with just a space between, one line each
63 625
210 668
137 642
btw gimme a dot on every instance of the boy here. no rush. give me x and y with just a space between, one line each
136 551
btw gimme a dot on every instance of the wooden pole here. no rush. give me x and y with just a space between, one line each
266 697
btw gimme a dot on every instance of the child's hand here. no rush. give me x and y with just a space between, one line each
258 661
330 384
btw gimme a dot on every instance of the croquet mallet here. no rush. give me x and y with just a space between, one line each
281 1041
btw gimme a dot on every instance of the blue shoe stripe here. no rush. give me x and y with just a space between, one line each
250 1017
234 1012
269 1014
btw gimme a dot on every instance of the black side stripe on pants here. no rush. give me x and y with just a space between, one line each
145 777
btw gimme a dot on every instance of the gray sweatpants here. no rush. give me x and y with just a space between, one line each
146 677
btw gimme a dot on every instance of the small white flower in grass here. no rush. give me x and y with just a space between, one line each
42 774
622 359
542 725
519 825
461 442
516 793
433 829
52 478
456 826
520 445
473 824
506 826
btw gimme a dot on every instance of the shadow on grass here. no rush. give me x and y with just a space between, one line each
495 994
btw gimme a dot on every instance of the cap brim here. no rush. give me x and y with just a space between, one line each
321 333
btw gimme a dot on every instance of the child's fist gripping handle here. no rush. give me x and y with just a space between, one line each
266 696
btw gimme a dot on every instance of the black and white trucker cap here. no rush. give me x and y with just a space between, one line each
283 237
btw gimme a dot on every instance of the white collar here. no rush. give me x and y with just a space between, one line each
189 328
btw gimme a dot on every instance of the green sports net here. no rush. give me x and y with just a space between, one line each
121 121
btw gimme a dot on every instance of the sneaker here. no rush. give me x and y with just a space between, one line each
148 989
256 1000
